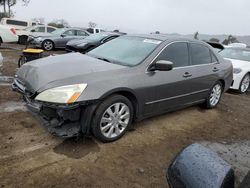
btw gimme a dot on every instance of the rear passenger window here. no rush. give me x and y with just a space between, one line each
200 54
50 29
176 53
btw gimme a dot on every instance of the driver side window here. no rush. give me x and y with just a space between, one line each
176 53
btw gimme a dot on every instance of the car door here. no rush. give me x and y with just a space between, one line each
50 29
81 34
206 69
174 88
66 37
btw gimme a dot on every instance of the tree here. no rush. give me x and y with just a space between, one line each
214 40
196 34
39 20
231 39
92 25
59 23
7 5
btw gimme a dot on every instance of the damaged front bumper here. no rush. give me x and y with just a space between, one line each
61 119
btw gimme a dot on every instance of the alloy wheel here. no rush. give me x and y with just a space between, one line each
115 120
245 84
48 45
215 95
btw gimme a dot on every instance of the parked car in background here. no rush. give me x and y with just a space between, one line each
34 31
238 45
95 30
129 78
90 42
240 57
7 34
59 38
17 24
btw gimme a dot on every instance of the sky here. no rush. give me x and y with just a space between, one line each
145 16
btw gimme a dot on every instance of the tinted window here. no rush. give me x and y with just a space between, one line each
200 54
40 29
176 53
90 30
15 22
50 29
81 33
69 33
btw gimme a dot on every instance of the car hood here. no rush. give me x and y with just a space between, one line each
239 63
68 69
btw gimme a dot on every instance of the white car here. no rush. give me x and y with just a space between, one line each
7 34
240 58
35 31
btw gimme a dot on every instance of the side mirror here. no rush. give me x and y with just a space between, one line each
197 166
62 35
162 65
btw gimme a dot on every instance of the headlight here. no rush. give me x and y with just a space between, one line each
237 70
81 45
65 94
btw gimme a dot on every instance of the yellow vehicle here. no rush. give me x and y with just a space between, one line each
30 54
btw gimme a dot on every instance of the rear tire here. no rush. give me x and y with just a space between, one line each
112 118
244 84
214 96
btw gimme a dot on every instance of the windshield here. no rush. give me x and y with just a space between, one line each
96 37
126 50
239 54
58 32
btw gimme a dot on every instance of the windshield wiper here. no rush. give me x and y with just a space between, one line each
104 59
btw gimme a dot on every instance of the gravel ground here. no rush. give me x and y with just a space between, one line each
31 157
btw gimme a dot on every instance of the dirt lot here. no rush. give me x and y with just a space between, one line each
31 157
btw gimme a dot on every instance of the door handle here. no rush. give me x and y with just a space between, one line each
187 75
215 69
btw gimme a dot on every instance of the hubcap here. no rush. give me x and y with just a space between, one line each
115 120
48 45
245 84
215 95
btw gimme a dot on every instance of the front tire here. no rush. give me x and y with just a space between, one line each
244 84
48 45
112 118
214 96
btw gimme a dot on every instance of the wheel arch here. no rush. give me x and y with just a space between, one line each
128 93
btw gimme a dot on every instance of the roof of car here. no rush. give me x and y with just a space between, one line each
163 37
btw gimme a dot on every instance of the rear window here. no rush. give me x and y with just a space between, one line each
16 22
200 54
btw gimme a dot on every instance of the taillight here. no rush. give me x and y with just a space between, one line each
13 30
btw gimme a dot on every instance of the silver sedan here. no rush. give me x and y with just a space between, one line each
58 38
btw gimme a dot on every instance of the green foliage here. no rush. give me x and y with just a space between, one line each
56 25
